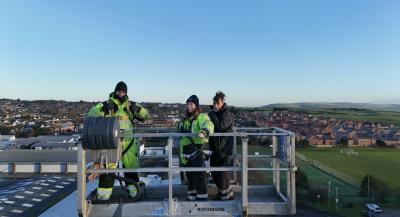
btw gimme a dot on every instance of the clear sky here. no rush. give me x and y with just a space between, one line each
257 52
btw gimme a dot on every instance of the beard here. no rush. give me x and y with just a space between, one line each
121 99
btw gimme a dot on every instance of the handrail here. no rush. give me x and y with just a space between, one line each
129 133
243 133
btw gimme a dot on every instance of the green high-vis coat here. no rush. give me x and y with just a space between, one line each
114 108
201 123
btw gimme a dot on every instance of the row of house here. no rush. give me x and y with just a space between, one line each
327 132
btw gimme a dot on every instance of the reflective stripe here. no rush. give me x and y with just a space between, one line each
223 191
202 196
104 192
187 155
191 198
103 197
132 190
226 197
125 124
192 192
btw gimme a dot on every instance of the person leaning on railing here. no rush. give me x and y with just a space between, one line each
191 148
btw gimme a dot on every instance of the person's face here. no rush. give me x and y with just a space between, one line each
218 104
190 107
120 93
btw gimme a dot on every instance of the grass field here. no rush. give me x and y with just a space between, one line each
346 192
381 163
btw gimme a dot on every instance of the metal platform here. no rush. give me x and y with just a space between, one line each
169 199
154 202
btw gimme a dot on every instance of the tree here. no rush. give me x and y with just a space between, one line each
303 143
397 195
380 143
301 180
371 187
247 123
41 131
4 130
343 142
22 134
320 190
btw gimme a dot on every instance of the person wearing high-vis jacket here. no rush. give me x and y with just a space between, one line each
118 105
191 148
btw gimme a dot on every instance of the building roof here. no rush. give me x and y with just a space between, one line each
38 156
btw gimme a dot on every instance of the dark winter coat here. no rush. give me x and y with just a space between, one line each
223 121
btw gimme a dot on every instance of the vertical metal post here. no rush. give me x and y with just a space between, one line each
170 199
275 164
337 200
287 153
244 175
292 175
81 182
329 193
235 178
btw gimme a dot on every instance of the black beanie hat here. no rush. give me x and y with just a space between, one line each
194 99
121 86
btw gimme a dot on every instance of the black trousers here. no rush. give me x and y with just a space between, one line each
221 178
197 181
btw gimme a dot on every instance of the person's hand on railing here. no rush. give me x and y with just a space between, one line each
201 135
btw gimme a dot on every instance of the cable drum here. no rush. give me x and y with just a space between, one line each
101 133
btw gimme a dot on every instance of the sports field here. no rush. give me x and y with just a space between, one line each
381 163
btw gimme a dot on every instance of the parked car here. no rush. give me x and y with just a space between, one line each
374 207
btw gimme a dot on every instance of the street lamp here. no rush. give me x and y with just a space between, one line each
337 200
368 188
318 196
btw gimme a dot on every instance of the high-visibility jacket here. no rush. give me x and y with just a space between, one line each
201 123
126 111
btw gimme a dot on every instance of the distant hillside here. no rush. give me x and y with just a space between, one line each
343 105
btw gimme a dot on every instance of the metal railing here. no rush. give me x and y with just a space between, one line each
279 157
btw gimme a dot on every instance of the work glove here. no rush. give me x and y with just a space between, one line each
134 108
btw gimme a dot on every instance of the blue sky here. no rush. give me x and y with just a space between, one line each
257 52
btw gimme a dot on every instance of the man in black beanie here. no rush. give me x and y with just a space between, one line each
118 105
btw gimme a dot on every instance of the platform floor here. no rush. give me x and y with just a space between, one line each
154 202
260 193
